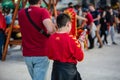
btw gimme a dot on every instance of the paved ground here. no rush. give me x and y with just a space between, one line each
99 64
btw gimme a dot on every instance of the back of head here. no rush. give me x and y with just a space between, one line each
91 7
33 2
70 5
85 10
78 6
62 20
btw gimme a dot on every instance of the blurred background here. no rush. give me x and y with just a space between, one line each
63 3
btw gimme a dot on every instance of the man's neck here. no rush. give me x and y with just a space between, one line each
36 5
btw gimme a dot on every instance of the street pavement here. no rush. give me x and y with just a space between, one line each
98 64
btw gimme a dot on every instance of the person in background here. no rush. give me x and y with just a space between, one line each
2 31
96 19
90 26
119 21
73 15
79 13
8 17
65 50
110 18
103 28
33 41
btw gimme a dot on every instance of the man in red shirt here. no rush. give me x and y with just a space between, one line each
90 26
33 41
2 31
65 50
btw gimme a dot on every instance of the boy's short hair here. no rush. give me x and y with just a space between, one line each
62 20
70 5
33 2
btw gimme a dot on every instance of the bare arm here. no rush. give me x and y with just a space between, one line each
81 18
49 26
98 18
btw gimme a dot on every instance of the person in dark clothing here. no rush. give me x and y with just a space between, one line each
96 18
110 18
119 21
103 28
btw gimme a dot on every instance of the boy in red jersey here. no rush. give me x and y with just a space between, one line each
65 50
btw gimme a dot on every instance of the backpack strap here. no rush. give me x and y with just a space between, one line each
34 25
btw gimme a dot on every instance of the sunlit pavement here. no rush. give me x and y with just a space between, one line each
98 64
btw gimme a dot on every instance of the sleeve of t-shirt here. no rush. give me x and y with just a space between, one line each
90 18
45 14
2 21
98 13
77 50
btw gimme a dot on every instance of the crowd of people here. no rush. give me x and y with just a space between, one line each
100 22
44 38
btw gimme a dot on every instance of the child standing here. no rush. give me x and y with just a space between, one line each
65 50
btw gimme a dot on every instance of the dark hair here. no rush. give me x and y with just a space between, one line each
77 6
109 7
62 19
85 10
70 5
33 2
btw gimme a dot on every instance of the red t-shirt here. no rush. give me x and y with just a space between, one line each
89 18
64 48
2 22
33 42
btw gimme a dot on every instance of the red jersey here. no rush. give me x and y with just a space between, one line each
63 48
33 42
2 22
89 18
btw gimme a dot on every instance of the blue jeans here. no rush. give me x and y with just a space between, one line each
112 33
2 39
37 67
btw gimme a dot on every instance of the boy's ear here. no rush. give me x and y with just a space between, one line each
68 24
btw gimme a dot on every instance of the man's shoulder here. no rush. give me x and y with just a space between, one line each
21 11
42 9
89 15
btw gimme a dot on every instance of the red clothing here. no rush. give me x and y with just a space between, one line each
2 22
33 42
72 14
89 18
63 48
